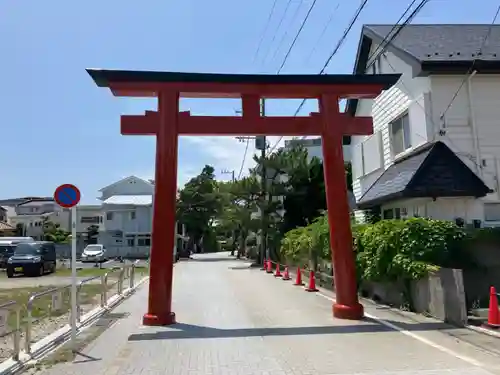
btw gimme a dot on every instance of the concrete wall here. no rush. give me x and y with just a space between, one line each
440 295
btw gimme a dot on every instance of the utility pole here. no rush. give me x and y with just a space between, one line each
261 144
233 234
264 251
225 171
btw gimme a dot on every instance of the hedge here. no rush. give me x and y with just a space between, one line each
386 251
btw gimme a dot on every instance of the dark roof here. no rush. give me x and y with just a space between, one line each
48 199
430 171
434 49
103 78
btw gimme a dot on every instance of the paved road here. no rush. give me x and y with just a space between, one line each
236 320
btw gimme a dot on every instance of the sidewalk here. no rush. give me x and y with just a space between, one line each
236 320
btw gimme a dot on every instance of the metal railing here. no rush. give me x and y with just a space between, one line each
60 298
10 329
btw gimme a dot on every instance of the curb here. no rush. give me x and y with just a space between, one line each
366 301
484 331
46 345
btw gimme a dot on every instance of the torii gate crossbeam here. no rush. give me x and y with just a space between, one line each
168 123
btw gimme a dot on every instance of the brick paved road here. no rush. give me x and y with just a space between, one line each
240 321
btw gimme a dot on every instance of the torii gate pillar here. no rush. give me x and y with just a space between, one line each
167 123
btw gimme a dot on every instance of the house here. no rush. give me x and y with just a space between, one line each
127 211
6 230
314 149
88 216
436 144
31 214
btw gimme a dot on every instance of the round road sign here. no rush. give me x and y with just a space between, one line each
67 195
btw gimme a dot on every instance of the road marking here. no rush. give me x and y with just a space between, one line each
414 336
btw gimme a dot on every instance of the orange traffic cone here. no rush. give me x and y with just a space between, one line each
312 283
278 271
493 311
264 265
269 266
286 275
298 280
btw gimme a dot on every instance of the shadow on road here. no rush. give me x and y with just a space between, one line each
188 331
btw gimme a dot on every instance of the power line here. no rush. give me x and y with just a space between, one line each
397 28
276 30
339 44
471 69
268 22
265 30
332 14
244 158
385 42
297 35
294 17
335 50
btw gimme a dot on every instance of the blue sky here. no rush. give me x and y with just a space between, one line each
58 127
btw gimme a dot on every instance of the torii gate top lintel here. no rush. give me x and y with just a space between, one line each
213 85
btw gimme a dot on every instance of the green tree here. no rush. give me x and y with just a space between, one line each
92 234
53 232
241 197
198 205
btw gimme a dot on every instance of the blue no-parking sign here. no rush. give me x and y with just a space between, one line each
67 195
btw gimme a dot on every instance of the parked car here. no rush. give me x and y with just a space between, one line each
32 258
94 253
7 247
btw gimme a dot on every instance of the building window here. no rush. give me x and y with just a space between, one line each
130 241
400 134
144 241
109 216
388 214
90 219
492 212
392 213
132 215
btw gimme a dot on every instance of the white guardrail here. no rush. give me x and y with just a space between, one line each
18 320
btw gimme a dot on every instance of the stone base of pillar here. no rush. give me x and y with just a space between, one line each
159 320
354 312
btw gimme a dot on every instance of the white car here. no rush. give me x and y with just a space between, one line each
94 253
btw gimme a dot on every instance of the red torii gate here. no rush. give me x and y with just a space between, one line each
168 123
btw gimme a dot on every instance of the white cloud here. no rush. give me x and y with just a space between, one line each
224 153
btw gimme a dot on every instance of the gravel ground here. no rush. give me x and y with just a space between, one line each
29 282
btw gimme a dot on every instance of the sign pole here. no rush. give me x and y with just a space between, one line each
67 196
73 277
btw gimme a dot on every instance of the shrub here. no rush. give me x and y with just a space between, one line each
387 251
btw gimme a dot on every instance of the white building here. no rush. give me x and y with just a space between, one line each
436 144
32 213
127 211
314 149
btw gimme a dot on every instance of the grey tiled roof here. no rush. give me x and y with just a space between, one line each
430 171
396 178
445 42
